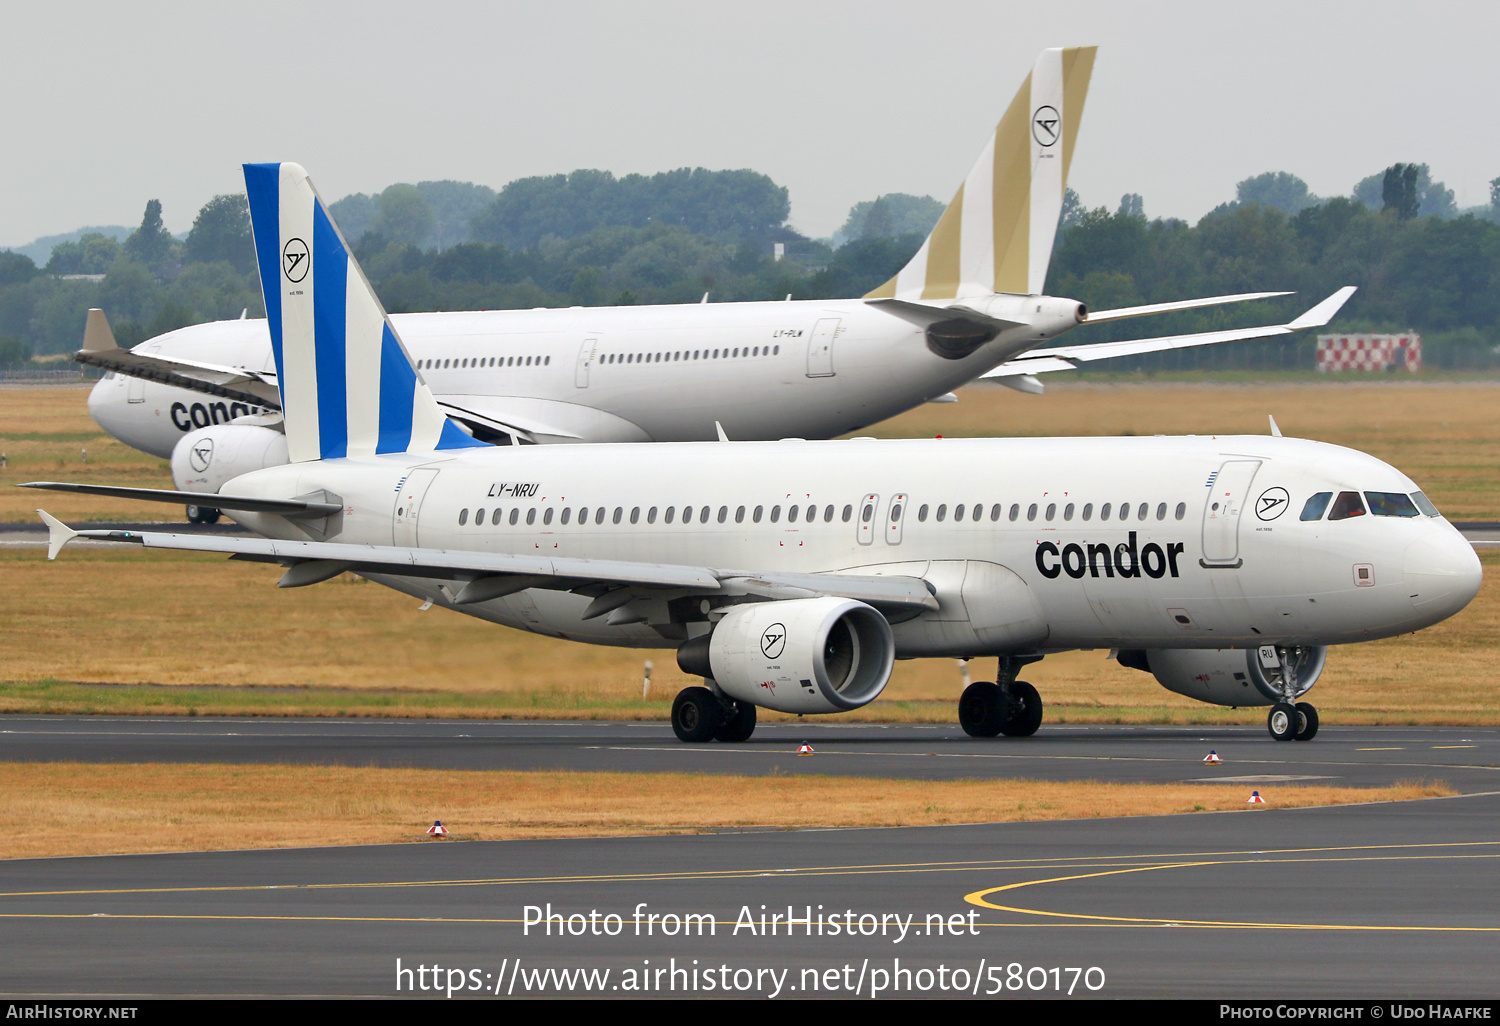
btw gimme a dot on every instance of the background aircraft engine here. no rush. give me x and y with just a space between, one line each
1229 676
817 655
204 459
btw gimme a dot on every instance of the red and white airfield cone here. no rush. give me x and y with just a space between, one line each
1255 799
1212 758
437 829
806 749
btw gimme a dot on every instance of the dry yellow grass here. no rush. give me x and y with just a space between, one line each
129 617
54 809
125 617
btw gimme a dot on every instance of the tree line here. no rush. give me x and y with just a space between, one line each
589 238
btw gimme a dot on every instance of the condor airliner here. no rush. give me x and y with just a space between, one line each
968 305
790 575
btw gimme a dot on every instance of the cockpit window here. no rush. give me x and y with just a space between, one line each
1391 504
1316 505
1425 504
1347 505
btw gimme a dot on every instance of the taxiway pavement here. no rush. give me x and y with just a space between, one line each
1467 758
1373 901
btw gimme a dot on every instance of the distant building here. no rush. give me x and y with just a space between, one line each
1370 352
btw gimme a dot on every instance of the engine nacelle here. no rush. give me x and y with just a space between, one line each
1230 676
818 655
204 459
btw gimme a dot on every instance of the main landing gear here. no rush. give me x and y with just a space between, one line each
699 714
1011 707
1288 722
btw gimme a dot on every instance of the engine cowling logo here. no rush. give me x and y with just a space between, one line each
202 454
773 641
1272 503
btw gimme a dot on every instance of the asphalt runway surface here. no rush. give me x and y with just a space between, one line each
1392 900
1467 758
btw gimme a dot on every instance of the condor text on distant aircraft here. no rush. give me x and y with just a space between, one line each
790 575
968 305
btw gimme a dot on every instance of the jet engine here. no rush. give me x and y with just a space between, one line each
818 655
1231 676
203 460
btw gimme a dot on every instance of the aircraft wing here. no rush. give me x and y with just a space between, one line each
1019 372
477 576
257 388
1120 314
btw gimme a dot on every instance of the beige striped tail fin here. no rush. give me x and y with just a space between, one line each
996 235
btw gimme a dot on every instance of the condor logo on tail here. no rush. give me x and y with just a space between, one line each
1123 560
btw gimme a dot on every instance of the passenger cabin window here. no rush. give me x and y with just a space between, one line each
995 512
495 518
848 513
1181 510
942 512
1347 505
531 516
1316 506
1031 512
922 513
1051 510
1068 511
1391 504
1088 510
463 517
1015 510
1104 510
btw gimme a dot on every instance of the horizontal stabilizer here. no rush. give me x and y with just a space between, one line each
255 388
1042 361
283 507
925 315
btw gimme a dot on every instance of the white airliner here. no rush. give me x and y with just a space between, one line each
792 574
966 306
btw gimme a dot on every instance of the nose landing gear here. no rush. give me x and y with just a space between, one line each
1288 720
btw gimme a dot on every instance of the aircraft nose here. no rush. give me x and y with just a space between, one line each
1442 573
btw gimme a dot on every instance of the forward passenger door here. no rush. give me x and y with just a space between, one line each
1227 493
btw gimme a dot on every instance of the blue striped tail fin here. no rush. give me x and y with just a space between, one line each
348 387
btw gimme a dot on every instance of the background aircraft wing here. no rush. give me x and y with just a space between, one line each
477 576
1019 371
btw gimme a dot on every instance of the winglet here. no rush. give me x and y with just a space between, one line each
1275 430
1324 311
58 533
97 336
720 429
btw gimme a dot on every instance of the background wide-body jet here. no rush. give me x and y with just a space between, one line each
968 305
792 574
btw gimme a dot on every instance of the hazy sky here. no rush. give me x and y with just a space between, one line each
113 104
